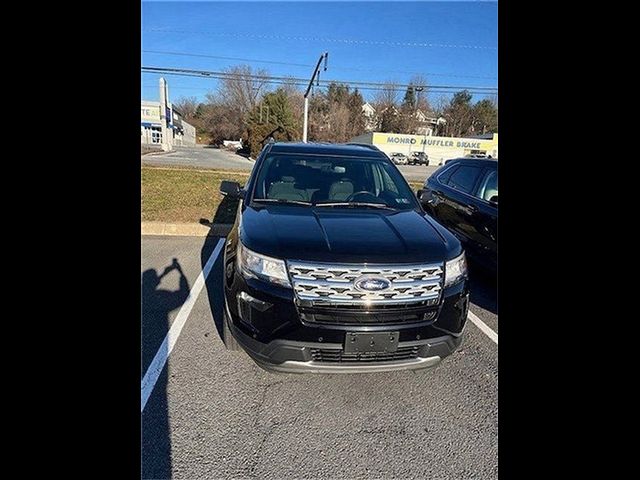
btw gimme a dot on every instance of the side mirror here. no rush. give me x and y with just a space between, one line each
232 189
419 194
494 199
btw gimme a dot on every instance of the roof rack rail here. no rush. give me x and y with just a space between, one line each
368 145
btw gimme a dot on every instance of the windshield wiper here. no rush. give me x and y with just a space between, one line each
280 200
354 204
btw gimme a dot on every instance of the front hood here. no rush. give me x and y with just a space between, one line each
345 235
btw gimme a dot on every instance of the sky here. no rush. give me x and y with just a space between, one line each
450 43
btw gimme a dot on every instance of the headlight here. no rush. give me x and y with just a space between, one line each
255 265
455 270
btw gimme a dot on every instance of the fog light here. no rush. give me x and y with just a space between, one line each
430 315
254 302
246 305
244 309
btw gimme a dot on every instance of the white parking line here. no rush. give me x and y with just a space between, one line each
157 364
483 326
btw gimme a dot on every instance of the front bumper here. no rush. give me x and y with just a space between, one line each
287 356
277 340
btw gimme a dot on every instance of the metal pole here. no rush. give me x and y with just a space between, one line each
306 94
163 115
306 119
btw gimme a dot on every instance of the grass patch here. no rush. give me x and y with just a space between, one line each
178 195
416 186
187 195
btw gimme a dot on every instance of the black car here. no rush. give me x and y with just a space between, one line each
463 196
333 266
419 158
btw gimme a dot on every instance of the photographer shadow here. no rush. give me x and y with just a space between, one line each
157 304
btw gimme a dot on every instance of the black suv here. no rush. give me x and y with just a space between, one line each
419 158
463 196
333 266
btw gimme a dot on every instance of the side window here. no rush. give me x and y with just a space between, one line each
489 186
444 177
464 178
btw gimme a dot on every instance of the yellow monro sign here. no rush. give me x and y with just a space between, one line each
439 149
428 141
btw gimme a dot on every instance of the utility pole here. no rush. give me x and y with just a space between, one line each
316 72
165 116
419 89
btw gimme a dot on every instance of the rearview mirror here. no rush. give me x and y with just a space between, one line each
231 189
494 199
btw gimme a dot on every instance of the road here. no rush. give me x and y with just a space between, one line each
215 414
199 157
417 173
213 158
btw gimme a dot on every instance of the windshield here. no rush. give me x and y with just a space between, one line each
332 181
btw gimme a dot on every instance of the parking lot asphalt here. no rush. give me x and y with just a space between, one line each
417 173
215 414
200 157
213 158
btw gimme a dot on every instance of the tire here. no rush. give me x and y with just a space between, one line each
228 339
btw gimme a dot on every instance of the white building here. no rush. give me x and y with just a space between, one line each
183 133
427 121
370 122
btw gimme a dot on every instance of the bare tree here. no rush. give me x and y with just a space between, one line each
243 87
387 96
225 112
421 87
459 114
187 106
440 103
385 102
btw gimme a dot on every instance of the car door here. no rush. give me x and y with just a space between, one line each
485 216
454 202
432 197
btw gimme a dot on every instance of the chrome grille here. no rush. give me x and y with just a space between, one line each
332 283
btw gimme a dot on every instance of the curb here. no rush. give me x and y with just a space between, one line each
185 229
153 154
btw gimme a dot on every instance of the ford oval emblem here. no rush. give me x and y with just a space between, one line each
371 284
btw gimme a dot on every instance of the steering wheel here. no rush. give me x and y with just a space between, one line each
363 192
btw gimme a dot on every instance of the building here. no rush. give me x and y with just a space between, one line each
370 119
438 149
426 121
183 133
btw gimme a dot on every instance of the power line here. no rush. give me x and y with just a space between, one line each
226 58
307 65
321 39
299 84
320 88
294 80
